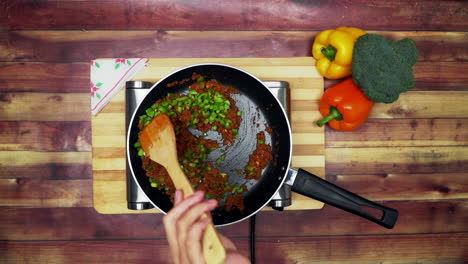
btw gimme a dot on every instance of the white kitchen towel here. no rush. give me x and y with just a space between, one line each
108 77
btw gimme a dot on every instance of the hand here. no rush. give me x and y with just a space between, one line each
185 228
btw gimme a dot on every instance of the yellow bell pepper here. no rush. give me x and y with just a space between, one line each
333 50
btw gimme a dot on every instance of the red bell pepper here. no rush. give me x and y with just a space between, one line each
345 106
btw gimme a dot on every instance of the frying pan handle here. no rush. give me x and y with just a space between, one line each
313 186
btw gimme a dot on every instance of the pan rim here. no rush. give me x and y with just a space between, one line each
283 111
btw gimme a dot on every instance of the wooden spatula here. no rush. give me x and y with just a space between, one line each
159 143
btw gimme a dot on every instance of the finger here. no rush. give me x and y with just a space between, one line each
175 236
171 219
184 205
227 243
193 214
169 222
186 221
234 257
178 197
171 235
193 243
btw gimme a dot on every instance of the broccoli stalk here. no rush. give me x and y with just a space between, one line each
383 67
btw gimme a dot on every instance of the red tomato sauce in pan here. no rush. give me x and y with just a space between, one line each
207 106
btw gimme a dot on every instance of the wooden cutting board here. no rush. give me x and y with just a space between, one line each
306 88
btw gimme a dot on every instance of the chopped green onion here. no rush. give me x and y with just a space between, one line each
141 153
189 153
223 157
137 144
249 167
234 189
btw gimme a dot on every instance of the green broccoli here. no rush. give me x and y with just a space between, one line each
382 67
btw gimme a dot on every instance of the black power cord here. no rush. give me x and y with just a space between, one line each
252 239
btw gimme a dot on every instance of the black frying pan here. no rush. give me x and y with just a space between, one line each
256 103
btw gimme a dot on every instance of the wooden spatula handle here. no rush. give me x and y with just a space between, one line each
213 249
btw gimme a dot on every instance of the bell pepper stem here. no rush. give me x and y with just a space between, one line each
329 52
334 114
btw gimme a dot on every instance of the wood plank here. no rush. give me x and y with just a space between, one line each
396 160
425 104
45 107
412 104
74 77
82 46
45 165
448 248
440 75
67 224
402 132
45 193
32 158
416 217
361 249
44 77
53 170
117 251
405 186
238 15
45 136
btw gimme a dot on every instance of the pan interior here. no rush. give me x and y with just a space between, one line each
259 109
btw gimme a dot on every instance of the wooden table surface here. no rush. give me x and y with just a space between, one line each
411 155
